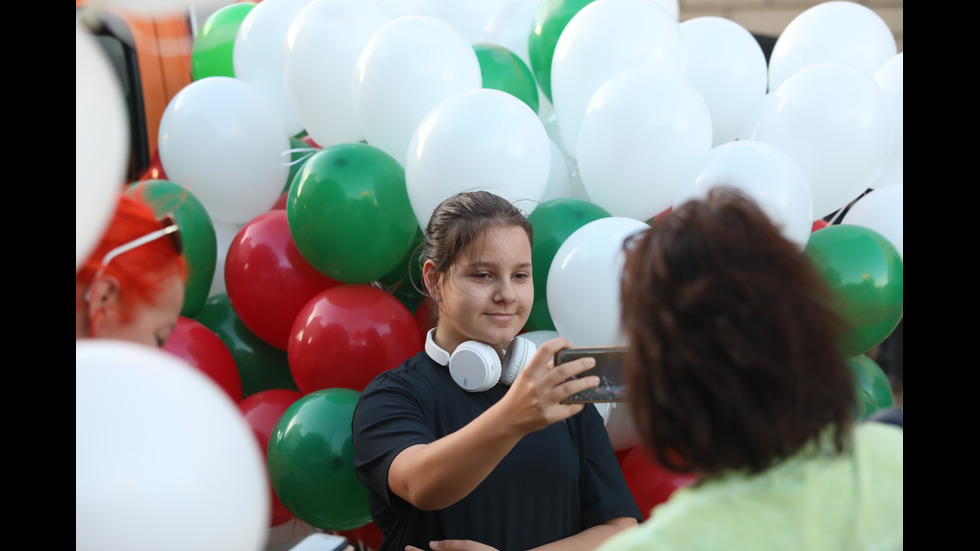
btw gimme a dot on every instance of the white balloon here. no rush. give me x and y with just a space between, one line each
890 77
161 7
225 233
101 142
766 174
478 139
672 6
638 140
222 140
257 56
469 17
540 336
164 459
605 38
321 51
558 181
728 67
407 67
753 119
833 121
584 279
838 31
881 210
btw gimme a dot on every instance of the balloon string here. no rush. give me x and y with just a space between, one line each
289 153
847 207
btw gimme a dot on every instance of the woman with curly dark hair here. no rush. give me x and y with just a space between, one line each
735 377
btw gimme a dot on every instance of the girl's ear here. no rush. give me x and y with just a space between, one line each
105 296
430 277
105 293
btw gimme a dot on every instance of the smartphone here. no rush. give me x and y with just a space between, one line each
319 541
609 364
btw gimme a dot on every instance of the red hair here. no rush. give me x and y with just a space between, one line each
142 270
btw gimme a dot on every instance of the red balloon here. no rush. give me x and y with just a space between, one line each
621 454
309 141
262 410
280 203
155 170
422 318
267 279
202 348
347 335
648 481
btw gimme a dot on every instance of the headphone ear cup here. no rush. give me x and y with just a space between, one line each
475 366
519 352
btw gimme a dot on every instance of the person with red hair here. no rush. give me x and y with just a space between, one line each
132 285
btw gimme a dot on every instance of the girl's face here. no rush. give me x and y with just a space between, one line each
151 324
487 294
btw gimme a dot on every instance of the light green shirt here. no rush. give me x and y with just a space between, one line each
851 501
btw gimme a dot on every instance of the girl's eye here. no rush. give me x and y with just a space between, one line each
522 275
482 275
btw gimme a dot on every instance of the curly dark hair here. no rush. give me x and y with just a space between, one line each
732 362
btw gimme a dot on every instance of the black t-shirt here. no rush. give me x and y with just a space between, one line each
555 483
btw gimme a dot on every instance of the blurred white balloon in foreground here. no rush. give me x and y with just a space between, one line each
101 142
164 459
162 7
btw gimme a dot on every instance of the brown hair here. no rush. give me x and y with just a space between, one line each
732 360
459 220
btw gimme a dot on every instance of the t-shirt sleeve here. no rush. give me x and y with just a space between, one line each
388 418
605 494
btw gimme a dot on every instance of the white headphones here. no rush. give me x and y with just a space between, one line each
476 367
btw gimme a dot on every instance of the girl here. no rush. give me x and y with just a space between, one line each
509 467
132 286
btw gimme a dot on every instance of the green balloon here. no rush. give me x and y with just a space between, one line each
260 365
865 272
505 71
212 55
349 212
550 19
197 236
866 404
872 378
310 460
553 221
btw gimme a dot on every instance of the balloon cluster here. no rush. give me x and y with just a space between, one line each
317 136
